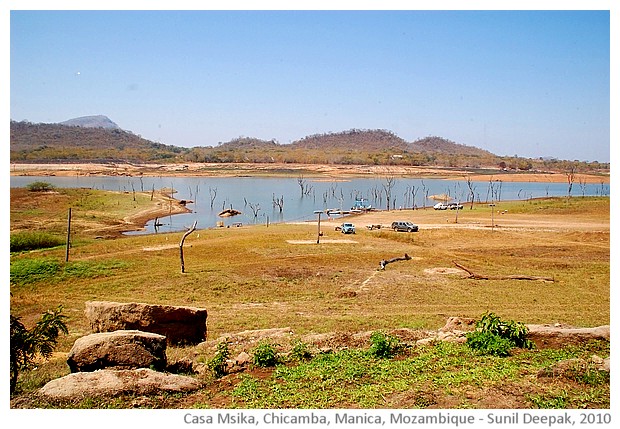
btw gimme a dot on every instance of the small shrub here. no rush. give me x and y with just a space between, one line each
39 186
496 337
217 364
265 355
300 351
383 345
489 344
40 340
516 332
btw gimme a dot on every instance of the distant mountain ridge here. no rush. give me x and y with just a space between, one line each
94 121
99 139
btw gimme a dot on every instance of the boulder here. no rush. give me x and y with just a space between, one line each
546 336
459 324
109 382
118 349
180 325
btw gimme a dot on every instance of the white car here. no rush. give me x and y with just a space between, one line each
440 206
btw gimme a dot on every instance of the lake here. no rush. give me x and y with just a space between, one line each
258 199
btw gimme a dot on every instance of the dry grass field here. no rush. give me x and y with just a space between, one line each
258 277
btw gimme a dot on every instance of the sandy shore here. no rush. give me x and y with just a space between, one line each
316 171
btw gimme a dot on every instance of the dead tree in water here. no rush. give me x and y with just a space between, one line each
192 229
278 202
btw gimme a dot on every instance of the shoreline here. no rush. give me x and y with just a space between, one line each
314 171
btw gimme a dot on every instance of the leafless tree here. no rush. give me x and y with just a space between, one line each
471 187
582 185
278 202
255 209
389 181
304 186
570 177
213 194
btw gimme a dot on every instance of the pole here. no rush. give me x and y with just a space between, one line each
68 236
318 235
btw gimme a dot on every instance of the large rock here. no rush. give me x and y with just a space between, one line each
118 349
108 382
546 336
180 325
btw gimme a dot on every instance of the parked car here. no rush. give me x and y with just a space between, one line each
454 206
404 226
440 206
347 228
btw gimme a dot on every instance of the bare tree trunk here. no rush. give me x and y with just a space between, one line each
192 229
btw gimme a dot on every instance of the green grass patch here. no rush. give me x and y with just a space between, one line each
426 376
33 240
29 271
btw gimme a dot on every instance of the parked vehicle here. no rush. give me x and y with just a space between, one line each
347 228
440 206
455 206
404 226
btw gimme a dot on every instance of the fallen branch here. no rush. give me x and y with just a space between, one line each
476 276
383 262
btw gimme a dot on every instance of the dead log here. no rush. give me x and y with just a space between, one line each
383 262
477 276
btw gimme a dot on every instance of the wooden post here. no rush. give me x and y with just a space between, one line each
192 229
68 236
318 235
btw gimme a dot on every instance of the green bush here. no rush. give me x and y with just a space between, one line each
384 346
265 355
300 351
22 241
217 364
489 344
26 344
496 337
39 186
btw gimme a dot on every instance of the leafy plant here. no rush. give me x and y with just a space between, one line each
40 340
300 351
265 355
40 186
217 364
489 343
384 345
496 337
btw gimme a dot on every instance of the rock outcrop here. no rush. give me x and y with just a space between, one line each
551 336
125 349
111 382
180 325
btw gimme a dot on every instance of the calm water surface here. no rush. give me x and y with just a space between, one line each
254 197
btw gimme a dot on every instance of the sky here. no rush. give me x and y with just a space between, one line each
532 83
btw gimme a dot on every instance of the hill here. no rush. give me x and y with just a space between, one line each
96 121
359 140
57 142
98 139
441 145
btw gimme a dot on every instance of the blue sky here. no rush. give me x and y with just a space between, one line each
531 83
